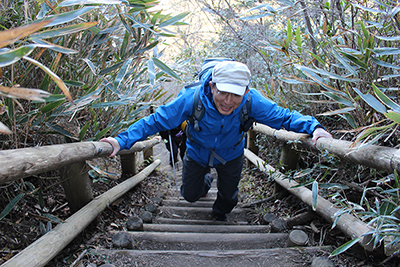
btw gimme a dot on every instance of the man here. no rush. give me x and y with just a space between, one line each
219 143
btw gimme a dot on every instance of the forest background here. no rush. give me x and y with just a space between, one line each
79 70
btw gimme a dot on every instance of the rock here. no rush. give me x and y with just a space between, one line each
297 238
150 207
146 216
322 262
134 223
122 240
156 200
278 226
268 218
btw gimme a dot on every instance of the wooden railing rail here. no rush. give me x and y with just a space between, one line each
377 157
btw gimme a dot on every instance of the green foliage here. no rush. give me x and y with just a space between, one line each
100 64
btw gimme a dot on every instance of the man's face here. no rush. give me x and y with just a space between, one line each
225 102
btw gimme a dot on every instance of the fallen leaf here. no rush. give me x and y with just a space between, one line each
4 129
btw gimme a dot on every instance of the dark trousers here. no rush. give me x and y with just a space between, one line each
194 186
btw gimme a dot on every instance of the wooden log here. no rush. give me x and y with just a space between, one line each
24 162
77 185
45 248
347 223
297 238
301 219
377 157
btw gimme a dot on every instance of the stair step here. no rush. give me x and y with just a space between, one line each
184 203
162 220
201 213
208 229
207 241
275 257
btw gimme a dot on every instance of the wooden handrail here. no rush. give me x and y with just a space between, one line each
20 163
377 157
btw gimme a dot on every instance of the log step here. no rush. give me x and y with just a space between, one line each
201 213
288 257
207 241
184 203
208 229
162 220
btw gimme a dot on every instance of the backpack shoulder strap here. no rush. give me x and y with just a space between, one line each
245 121
197 110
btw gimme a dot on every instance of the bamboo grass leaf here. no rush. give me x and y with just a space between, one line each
344 62
55 47
385 64
109 104
339 99
4 129
91 65
54 76
53 218
388 38
173 20
371 101
336 112
11 205
298 41
345 247
394 116
61 130
11 36
289 32
386 100
102 133
368 9
165 68
151 70
314 195
63 31
91 2
12 56
68 16
122 72
24 93
384 51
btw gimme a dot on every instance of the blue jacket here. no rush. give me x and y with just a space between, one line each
220 133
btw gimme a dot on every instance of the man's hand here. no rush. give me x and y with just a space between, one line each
320 132
114 143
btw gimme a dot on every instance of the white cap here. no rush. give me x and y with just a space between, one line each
231 76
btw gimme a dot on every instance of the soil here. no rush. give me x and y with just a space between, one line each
28 220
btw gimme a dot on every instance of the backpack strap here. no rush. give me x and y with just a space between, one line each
197 110
245 121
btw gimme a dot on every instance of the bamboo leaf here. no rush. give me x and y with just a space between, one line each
54 47
68 16
371 101
102 133
368 9
151 70
385 64
344 62
109 104
173 20
54 76
394 116
314 195
386 100
339 99
61 130
387 38
25 93
298 40
11 36
122 72
336 112
92 2
53 218
4 129
84 130
384 51
12 56
63 31
345 247
165 68
289 32
11 205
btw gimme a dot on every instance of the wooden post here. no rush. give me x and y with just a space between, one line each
148 155
289 157
77 185
251 145
128 164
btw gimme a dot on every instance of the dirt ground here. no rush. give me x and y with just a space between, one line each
23 225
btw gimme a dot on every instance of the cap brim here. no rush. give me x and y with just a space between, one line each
231 88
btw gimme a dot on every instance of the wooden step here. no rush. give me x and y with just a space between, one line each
162 220
202 213
184 203
206 229
274 257
207 241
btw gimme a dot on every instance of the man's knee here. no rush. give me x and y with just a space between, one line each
190 197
